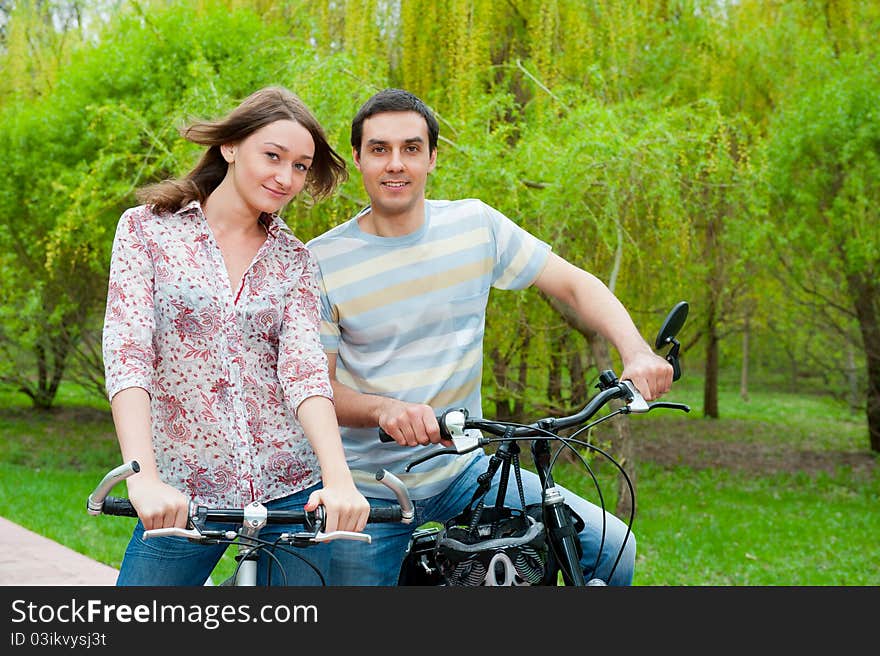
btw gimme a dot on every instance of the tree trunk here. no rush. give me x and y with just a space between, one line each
522 381
501 370
714 288
51 364
710 384
866 293
744 372
577 367
854 396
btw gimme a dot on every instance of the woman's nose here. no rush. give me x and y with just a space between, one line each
283 176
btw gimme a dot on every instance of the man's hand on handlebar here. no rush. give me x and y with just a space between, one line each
650 373
410 424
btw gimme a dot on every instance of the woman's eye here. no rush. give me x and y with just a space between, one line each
299 166
272 156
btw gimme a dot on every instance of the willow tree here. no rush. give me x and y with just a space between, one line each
76 154
39 313
825 172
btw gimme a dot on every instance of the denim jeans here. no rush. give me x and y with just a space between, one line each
173 561
378 563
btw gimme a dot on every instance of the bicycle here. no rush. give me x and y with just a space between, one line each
252 518
529 545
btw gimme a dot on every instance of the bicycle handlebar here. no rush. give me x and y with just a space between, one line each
254 514
453 423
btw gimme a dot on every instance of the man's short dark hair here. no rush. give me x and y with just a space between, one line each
393 100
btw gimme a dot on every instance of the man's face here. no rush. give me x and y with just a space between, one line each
394 161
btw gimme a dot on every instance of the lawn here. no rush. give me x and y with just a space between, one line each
699 522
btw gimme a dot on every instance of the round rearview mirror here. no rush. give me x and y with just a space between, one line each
673 323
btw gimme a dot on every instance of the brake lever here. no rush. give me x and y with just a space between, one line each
428 456
320 536
305 539
460 444
192 534
671 405
636 403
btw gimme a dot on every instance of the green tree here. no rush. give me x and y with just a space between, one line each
106 126
825 171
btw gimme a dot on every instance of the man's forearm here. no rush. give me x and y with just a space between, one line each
355 409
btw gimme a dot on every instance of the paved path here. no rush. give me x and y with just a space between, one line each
27 558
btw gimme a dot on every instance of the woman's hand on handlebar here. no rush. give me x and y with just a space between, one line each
410 424
650 373
345 508
158 504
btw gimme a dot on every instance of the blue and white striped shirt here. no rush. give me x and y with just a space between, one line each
405 317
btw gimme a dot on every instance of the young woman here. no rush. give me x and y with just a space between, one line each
217 380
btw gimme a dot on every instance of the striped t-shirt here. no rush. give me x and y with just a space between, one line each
405 317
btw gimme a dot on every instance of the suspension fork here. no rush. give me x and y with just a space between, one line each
557 516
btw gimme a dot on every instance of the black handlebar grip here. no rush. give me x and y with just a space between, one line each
388 514
118 506
441 421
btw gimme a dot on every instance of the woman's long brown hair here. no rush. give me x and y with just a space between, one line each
261 108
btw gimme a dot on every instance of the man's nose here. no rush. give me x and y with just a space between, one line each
395 162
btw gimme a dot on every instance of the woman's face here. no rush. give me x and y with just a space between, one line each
269 167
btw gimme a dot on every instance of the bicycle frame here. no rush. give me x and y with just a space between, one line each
560 526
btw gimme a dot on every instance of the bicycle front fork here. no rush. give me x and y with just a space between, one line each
559 523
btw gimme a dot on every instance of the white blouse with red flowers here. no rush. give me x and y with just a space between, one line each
225 369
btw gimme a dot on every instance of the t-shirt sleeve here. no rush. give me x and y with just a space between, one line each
519 257
329 329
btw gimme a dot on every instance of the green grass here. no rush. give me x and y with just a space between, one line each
716 527
820 422
694 527
724 528
50 461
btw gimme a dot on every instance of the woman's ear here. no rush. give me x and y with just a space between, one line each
228 152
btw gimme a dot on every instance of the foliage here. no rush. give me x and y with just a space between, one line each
108 127
631 135
825 165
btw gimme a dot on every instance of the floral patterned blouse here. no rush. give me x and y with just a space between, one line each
225 369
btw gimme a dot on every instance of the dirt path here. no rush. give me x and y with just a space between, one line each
749 457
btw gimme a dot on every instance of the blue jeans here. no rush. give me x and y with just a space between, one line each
378 563
173 561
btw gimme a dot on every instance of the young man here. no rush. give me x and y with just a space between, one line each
404 291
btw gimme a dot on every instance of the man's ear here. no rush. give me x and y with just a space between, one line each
355 155
433 161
